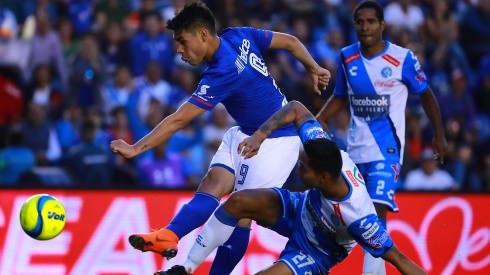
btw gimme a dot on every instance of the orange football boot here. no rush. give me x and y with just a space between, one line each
163 242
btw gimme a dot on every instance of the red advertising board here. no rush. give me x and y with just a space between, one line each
443 233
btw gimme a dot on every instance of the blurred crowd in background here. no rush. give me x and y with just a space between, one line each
76 74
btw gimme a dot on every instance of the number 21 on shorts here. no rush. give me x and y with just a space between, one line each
303 260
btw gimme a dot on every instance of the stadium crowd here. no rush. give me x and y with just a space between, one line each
76 74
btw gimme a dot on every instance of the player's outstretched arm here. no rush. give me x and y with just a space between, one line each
320 76
402 262
161 133
293 112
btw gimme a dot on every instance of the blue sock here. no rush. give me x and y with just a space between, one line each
230 253
193 214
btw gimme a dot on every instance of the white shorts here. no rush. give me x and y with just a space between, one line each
269 168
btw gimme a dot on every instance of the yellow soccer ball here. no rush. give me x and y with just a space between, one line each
42 217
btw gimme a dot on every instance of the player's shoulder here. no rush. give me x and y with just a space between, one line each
350 53
396 50
350 49
232 31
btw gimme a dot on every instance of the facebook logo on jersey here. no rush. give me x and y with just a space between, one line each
370 106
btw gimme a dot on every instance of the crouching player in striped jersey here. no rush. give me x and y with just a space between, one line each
323 224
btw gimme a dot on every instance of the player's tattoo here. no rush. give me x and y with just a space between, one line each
290 113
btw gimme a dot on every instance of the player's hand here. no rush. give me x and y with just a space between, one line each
320 77
249 147
440 148
122 148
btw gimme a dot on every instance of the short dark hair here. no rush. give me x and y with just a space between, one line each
194 14
324 155
370 4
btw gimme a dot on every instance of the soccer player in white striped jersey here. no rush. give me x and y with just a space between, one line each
375 77
323 224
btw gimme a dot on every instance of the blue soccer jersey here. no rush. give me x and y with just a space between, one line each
377 89
238 77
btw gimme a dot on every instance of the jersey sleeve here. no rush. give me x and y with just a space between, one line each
371 235
341 80
263 38
311 129
413 76
209 93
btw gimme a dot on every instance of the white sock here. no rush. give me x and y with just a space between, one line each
213 234
372 265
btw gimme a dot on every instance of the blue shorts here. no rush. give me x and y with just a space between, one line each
299 254
381 178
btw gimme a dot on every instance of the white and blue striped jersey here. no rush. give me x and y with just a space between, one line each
335 226
377 89
238 77
327 229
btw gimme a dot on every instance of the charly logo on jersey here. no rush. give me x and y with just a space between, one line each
386 72
365 225
353 70
370 106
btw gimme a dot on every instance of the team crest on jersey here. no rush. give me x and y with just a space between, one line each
386 72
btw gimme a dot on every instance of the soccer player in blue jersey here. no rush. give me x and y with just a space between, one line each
236 76
323 224
375 77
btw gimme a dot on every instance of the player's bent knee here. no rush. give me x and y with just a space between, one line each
217 182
